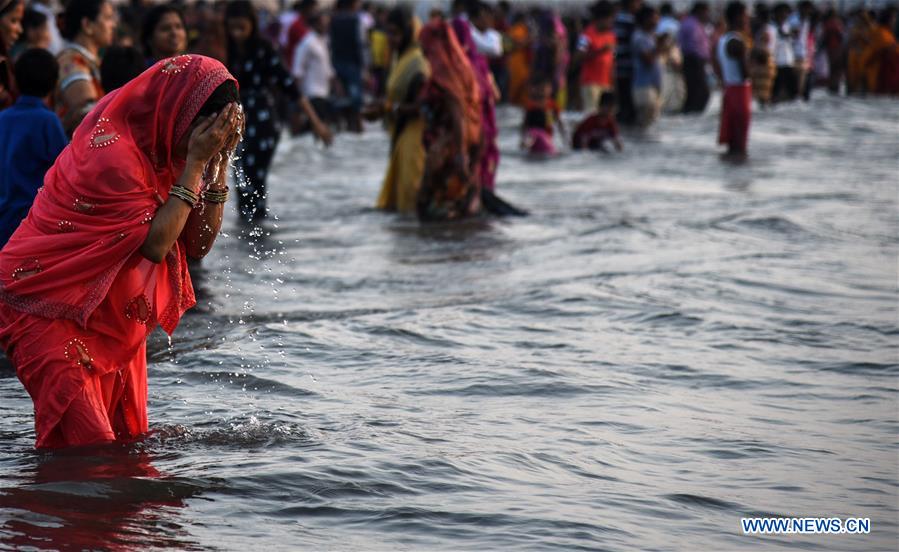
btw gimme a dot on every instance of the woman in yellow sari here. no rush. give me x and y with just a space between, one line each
402 113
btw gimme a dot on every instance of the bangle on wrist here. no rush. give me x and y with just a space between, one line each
216 196
182 193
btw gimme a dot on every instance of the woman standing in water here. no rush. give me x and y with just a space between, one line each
89 27
11 13
452 138
100 260
402 111
164 33
520 57
260 72
489 160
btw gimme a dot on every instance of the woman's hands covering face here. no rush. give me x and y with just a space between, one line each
214 134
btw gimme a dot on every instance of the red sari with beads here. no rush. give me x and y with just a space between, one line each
77 299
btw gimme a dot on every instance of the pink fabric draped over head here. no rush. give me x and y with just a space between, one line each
94 211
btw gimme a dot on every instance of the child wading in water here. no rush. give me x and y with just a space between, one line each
594 131
736 106
541 113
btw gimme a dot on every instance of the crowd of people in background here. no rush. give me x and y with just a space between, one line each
434 81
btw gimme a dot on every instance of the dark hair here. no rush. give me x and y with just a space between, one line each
644 14
781 9
33 19
242 9
152 19
476 8
305 5
3 53
733 12
120 65
698 8
886 15
602 9
666 9
76 10
608 99
223 95
401 18
314 18
9 7
36 72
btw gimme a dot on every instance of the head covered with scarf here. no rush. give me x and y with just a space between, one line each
93 212
452 73
478 61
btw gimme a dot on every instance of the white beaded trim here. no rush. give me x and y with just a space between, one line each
173 67
108 138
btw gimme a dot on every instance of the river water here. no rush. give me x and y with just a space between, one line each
667 344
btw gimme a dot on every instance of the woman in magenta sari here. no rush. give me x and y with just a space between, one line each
489 154
487 162
100 260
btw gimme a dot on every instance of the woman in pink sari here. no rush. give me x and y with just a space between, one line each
489 158
100 260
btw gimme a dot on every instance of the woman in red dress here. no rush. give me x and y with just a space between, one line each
101 258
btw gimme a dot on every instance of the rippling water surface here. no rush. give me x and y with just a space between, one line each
666 345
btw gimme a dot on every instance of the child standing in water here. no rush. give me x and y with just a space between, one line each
540 115
600 127
736 106
31 137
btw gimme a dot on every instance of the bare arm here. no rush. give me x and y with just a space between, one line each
321 130
170 219
203 224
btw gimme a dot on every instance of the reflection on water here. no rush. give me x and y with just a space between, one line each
667 344
97 498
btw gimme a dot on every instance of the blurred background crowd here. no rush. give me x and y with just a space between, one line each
99 45
320 66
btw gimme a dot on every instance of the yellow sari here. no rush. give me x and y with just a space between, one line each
407 155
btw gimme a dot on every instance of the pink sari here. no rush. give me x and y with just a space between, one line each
77 299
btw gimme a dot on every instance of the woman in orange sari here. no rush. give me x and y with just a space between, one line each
100 260
519 60
856 46
879 59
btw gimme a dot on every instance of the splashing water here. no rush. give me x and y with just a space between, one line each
666 345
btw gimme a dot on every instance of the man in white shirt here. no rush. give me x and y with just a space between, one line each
786 83
487 39
312 66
